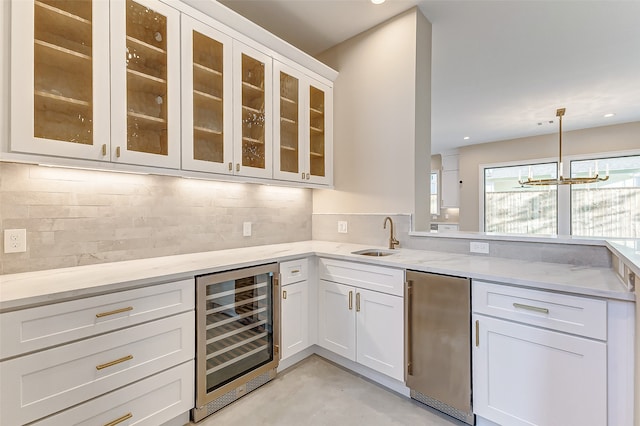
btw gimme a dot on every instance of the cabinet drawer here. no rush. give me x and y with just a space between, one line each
294 271
571 314
45 382
151 402
372 277
44 326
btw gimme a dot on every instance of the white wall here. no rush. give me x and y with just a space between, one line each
381 119
622 137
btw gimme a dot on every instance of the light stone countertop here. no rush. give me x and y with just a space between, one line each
42 287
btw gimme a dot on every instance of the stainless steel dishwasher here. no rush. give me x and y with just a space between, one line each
438 342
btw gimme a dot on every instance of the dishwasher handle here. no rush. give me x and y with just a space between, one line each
408 328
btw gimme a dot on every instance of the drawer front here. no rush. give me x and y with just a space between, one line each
571 314
44 326
150 402
371 277
294 271
39 384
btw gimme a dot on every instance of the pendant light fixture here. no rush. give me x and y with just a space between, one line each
561 179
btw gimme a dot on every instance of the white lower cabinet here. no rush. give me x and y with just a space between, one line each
123 357
295 318
295 309
525 375
539 358
363 326
150 402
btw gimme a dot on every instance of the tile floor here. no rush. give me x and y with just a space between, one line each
316 392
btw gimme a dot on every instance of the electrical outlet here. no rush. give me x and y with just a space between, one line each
478 247
15 240
342 226
246 229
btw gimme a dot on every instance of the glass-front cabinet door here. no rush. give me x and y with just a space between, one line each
60 78
289 133
303 130
320 124
145 76
252 112
207 116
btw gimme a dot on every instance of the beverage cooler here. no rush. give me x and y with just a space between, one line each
237 335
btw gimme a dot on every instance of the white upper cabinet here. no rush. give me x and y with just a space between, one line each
252 112
207 119
303 127
60 78
145 83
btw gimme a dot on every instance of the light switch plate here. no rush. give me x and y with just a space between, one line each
342 227
246 229
15 240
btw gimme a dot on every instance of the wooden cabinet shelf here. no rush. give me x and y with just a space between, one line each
61 50
288 120
201 67
252 140
146 118
315 129
287 148
206 130
252 87
207 96
147 46
63 14
289 101
147 77
316 154
62 99
316 111
250 109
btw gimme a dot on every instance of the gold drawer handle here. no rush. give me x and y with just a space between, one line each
117 311
350 300
295 271
357 302
284 294
531 308
119 420
114 362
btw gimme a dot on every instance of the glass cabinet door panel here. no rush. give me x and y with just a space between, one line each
252 112
289 123
207 116
145 69
146 80
316 132
59 57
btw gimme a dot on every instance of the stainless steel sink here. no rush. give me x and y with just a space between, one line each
373 252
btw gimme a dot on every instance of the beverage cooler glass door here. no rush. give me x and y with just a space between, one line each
237 329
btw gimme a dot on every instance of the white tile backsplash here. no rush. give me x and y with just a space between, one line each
77 217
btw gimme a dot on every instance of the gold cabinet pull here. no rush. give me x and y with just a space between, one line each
119 420
350 300
308 176
302 175
276 349
295 271
531 308
104 149
230 166
118 151
477 333
114 362
237 167
116 311
284 294
357 302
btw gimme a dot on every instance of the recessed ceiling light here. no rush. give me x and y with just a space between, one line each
377 1
609 115
466 138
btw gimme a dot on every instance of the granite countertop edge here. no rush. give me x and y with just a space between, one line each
22 290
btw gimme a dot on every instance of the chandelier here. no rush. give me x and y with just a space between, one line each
561 179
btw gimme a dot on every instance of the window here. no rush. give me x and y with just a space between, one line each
511 208
610 208
434 194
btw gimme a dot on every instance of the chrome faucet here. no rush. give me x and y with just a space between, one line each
392 241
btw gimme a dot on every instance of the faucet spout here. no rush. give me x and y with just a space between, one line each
392 240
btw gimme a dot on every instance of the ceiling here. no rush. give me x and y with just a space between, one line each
498 67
